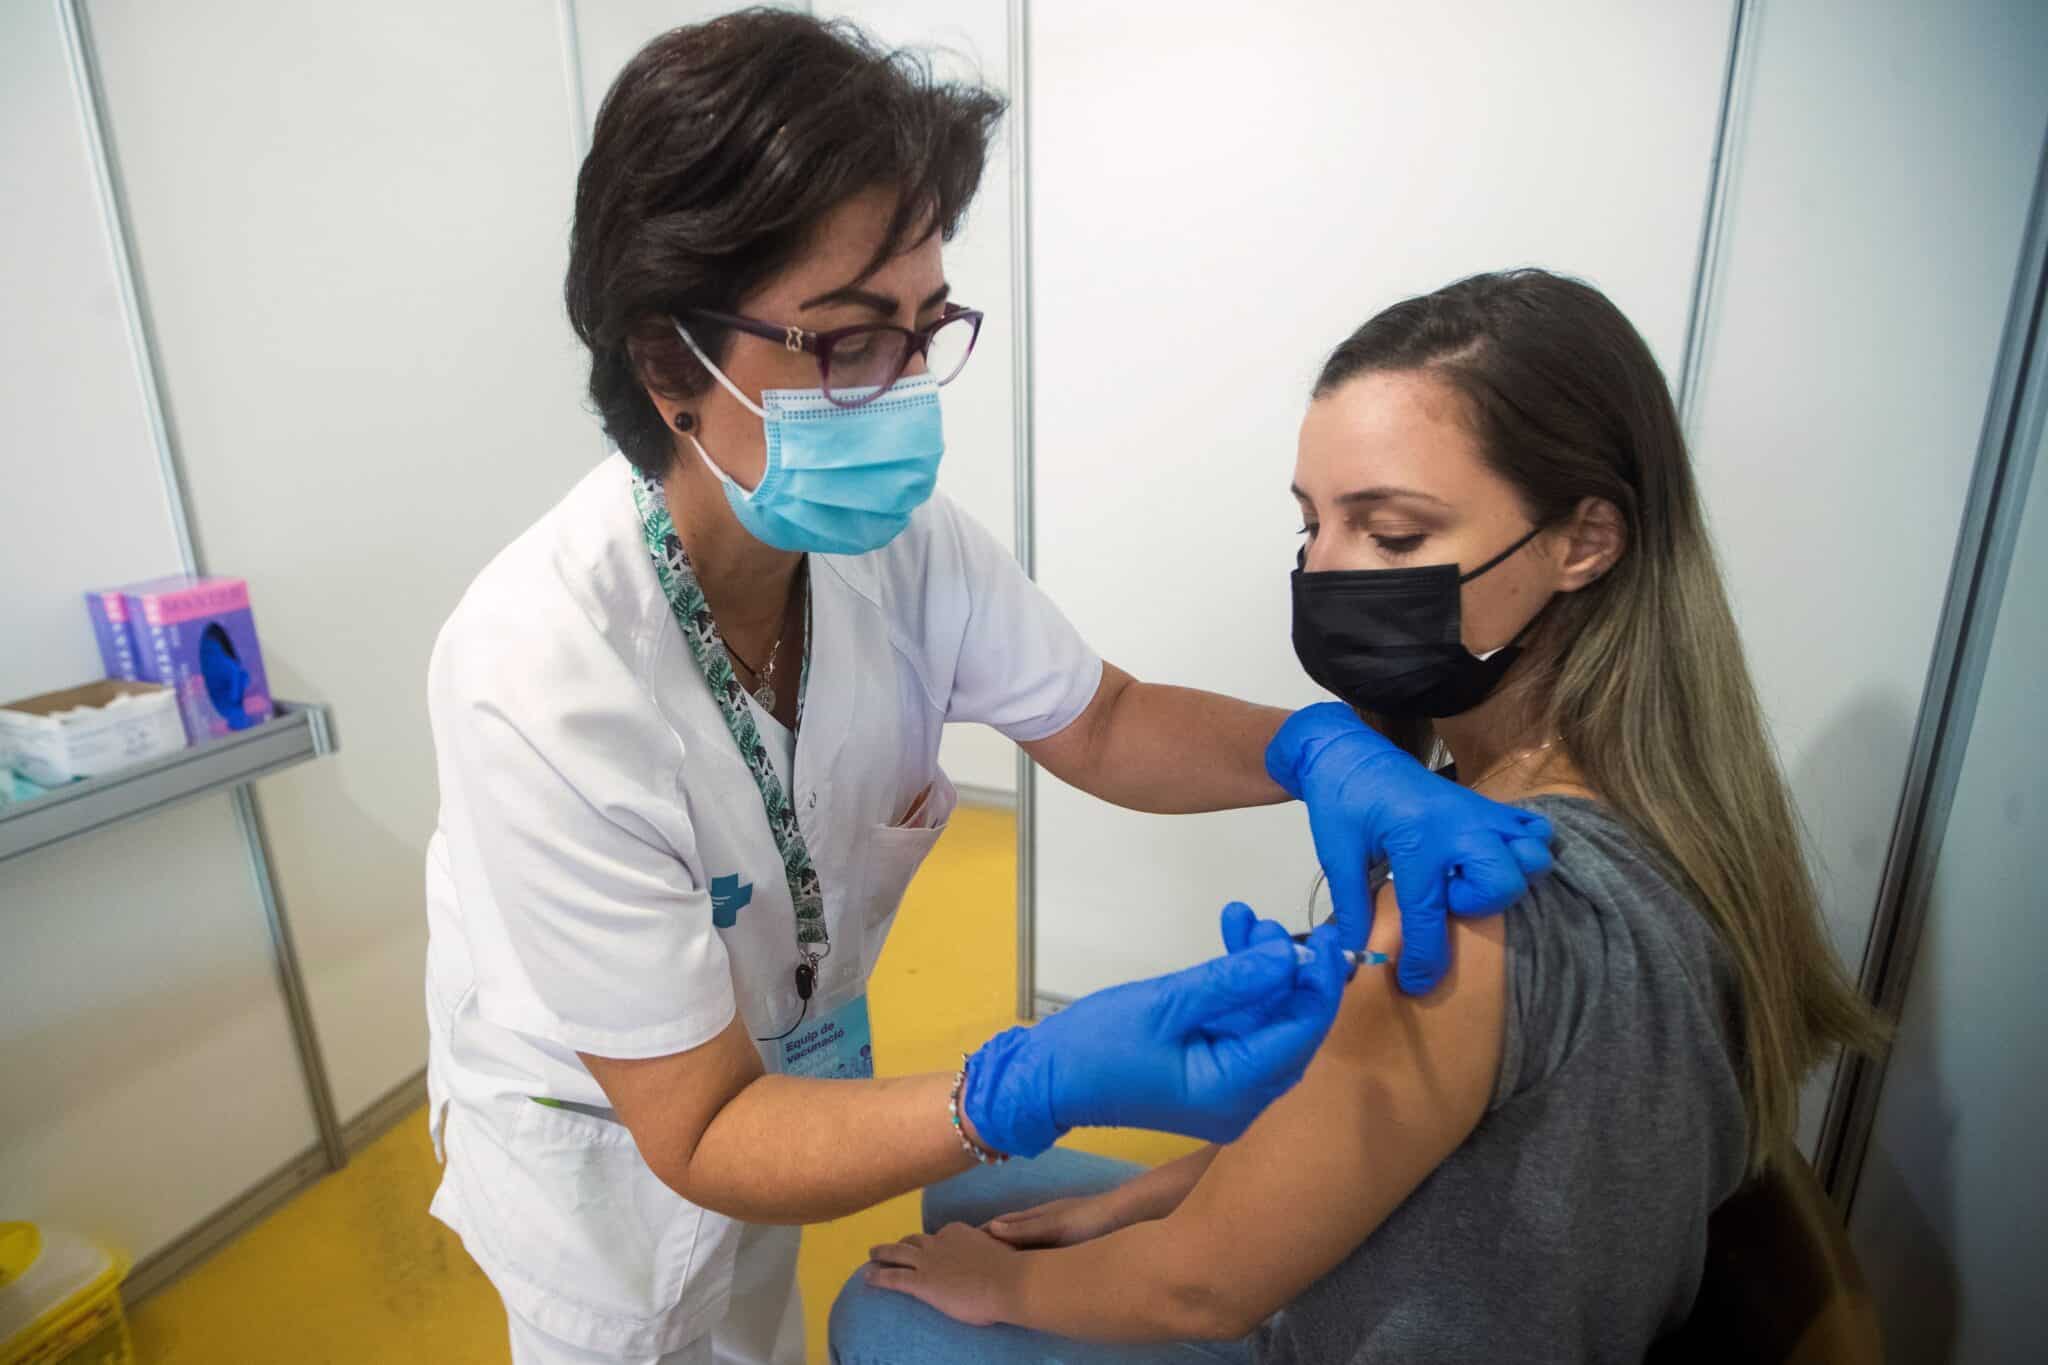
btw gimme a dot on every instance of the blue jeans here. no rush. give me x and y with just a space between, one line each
880 1327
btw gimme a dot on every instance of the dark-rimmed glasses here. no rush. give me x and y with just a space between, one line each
857 364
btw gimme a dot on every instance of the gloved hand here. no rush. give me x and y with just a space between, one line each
1242 928
1452 851
1200 1052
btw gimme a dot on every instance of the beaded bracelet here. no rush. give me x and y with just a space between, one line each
982 1155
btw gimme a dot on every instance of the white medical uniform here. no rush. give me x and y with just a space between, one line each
592 801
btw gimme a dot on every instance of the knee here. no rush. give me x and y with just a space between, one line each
850 1328
870 1326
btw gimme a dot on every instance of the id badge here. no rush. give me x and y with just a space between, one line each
833 1045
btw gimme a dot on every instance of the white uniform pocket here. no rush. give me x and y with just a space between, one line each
596 1249
890 857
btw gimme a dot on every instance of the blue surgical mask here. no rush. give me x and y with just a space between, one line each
839 481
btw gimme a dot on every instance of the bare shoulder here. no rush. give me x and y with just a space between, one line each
1445 1046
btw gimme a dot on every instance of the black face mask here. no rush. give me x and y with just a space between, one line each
1388 640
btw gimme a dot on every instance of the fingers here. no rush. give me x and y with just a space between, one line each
1509 822
1532 856
1270 931
1204 993
1269 1053
1294 1027
1242 928
906 1253
1344 863
1238 921
1485 877
1323 976
1293 746
1425 934
889 1277
1027 1230
1048 1209
1028 1227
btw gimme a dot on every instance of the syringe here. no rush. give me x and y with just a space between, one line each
1370 957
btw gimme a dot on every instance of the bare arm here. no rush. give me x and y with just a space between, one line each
1403 1080
1161 1190
1066 1222
1167 750
779 1149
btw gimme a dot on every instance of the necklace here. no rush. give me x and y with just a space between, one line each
764 677
1497 769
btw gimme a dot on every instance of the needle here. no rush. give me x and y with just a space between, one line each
1369 958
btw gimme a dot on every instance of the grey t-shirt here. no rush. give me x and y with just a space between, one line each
1572 1223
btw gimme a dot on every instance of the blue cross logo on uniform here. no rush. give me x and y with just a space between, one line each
728 898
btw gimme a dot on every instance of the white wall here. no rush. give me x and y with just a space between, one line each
84 505
352 225
146 1065
1880 187
1948 1216
1215 204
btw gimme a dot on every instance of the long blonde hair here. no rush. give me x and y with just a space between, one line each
1641 674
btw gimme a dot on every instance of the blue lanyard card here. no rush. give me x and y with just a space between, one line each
837 1046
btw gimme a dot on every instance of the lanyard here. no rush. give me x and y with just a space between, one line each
693 615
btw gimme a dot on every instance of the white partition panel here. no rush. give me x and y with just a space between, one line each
147 1075
1947 1218
1217 201
1878 191
352 223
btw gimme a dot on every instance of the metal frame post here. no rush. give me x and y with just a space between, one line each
1024 454
86 82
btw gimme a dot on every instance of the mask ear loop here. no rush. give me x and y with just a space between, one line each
728 480
717 373
1494 563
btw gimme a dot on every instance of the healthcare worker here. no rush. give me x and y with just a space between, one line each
687 729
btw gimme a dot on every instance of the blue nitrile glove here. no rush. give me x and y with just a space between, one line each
227 682
1452 851
1200 1052
1242 928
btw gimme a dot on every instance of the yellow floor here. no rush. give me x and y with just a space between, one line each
353 1270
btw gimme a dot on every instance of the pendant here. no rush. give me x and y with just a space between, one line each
765 695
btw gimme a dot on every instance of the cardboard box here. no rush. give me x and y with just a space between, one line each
197 637
109 612
86 731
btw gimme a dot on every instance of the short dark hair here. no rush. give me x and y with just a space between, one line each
717 152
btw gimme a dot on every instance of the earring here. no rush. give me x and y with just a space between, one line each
685 422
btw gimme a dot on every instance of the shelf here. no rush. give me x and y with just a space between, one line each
298 732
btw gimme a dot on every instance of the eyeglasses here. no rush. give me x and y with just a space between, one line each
856 365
